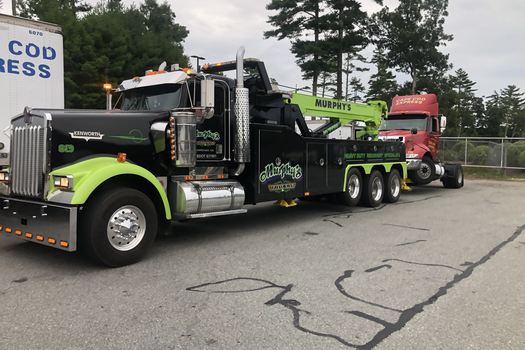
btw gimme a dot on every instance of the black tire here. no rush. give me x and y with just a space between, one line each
104 212
426 172
374 190
354 188
393 187
456 181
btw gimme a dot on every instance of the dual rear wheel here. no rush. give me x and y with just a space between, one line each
371 190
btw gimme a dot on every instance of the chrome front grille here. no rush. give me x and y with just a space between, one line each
28 160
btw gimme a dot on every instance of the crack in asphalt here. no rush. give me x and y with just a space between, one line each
409 227
389 328
410 243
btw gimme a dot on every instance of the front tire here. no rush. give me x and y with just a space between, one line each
374 190
426 172
118 227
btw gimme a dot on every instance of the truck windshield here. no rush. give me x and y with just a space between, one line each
152 98
404 122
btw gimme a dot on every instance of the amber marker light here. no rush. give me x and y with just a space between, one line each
8 229
40 238
29 235
51 240
122 157
107 87
18 232
64 244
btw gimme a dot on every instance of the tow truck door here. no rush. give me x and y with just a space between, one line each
316 167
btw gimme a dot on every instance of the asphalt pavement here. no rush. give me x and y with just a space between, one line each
440 269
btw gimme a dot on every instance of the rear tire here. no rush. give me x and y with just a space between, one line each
118 227
457 181
374 190
353 188
393 187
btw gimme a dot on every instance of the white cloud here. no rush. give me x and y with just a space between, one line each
487 37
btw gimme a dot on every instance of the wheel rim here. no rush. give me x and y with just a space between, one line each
354 186
395 185
126 228
424 171
377 189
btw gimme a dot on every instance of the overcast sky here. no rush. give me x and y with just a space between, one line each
488 38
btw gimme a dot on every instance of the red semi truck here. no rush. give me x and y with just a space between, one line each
415 120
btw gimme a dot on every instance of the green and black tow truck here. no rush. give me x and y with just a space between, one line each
181 145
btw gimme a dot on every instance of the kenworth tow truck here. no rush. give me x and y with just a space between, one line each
415 120
182 145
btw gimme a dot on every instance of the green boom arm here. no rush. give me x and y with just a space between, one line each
371 113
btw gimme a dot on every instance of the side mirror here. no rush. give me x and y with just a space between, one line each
208 93
413 131
442 123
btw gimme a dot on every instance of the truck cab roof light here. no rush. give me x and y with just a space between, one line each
29 235
51 240
64 244
8 229
18 232
40 238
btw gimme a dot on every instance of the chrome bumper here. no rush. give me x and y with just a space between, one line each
413 164
40 222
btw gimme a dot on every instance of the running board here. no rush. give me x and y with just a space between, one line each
212 214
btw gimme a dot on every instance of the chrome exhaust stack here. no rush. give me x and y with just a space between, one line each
242 114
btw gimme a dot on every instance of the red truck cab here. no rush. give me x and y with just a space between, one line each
415 120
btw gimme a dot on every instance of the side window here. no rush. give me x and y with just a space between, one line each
435 125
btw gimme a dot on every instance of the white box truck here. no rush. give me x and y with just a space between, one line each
31 71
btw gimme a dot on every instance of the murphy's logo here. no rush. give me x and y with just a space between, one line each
280 171
86 135
340 106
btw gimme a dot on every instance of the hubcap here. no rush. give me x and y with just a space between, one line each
424 171
395 186
354 186
126 228
377 189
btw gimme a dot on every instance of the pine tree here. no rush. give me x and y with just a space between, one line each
383 84
357 89
465 102
299 20
513 106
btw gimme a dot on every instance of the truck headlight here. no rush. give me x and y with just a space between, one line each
4 176
412 155
63 182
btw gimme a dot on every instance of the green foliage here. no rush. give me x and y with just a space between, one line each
109 43
515 153
411 36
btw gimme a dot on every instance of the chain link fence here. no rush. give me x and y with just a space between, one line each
484 152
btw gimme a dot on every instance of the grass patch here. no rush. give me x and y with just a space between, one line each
494 174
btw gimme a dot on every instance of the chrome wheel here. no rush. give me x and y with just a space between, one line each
395 185
354 186
424 172
377 189
126 228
